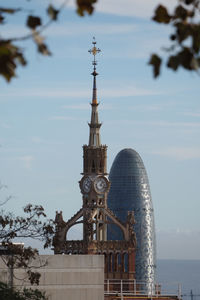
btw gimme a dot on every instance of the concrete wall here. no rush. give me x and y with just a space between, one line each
66 277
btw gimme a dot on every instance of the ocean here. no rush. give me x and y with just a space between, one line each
180 274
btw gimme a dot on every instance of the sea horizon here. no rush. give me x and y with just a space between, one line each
183 274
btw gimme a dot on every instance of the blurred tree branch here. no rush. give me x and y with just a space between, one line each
11 55
184 50
32 225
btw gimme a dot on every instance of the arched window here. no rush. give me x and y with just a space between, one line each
125 262
119 266
110 262
100 166
93 167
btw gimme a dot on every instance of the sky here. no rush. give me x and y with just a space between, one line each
45 110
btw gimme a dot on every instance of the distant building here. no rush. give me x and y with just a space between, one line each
130 191
118 224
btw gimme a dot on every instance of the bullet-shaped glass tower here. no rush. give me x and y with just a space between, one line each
130 190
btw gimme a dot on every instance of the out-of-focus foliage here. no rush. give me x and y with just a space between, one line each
32 225
11 54
85 6
8 293
184 50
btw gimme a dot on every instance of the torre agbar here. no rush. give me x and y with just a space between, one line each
130 190
116 215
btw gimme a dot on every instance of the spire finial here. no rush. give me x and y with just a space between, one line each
94 140
94 51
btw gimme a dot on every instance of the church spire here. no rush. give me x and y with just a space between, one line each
94 51
94 139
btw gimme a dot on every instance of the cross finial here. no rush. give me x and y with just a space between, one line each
94 51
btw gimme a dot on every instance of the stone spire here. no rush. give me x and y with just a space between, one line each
94 139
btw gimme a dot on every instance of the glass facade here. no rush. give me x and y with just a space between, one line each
129 191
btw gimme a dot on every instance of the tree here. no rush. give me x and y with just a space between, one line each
7 293
32 226
184 50
185 41
12 55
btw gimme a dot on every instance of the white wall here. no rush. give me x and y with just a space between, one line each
72 277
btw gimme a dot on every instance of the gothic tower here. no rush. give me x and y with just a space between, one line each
95 214
94 184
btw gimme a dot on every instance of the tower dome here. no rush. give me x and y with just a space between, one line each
129 191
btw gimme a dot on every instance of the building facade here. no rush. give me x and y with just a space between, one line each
130 190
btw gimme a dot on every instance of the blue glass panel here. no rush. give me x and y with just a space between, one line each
130 190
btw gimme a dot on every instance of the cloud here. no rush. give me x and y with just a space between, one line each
185 126
152 107
37 140
77 29
192 114
112 92
5 125
72 29
176 231
80 106
136 8
84 106
46 92
179 153
185 244
62 118
127 91
27 161
171 124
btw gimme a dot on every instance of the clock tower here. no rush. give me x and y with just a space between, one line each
94 213
94 184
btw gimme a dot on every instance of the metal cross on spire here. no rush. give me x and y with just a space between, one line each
94 51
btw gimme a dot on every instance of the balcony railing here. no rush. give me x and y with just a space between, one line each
127 287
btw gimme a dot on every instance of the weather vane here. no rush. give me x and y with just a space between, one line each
94 51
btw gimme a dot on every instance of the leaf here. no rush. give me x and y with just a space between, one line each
183 31
1 19
85 6
52 12
173 62
195 64
41 46
188 2
161 15
9 10
181 12
43 49
33 22
10 57
155 61
37 37
186 59
196 38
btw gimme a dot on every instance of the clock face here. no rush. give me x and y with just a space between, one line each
86 184
100 185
